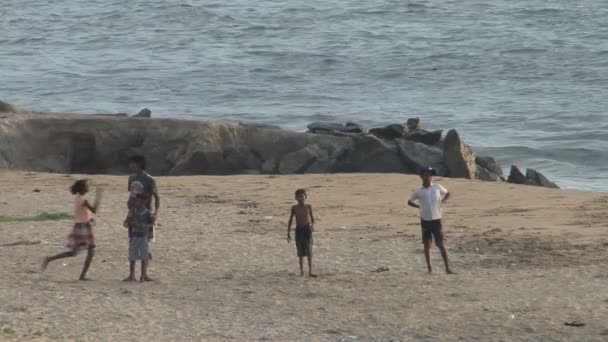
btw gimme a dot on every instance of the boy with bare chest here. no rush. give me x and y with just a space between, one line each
304 227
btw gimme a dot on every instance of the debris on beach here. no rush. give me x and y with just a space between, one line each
575 324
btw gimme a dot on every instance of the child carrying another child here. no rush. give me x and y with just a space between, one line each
140 221
304 227
81 236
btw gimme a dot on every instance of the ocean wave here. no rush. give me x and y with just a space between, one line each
573 156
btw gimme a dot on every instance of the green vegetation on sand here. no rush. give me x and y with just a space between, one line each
40 217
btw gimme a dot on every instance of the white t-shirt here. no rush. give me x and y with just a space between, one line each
429 200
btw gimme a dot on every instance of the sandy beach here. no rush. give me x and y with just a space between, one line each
528 260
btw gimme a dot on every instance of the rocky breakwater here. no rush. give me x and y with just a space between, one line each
102 144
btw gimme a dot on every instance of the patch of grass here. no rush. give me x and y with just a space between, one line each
40 217
39 333
8 330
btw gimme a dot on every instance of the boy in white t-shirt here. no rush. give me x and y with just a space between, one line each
429 197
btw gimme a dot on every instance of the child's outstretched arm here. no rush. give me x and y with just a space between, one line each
293 213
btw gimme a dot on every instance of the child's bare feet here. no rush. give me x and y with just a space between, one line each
44 265
129 278
146 278
84 279
449 271
430 270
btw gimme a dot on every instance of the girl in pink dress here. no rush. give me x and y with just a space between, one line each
81 236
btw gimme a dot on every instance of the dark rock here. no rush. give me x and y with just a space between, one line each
393 131
339 134
6 107
516 176
485 175
269 167
488 170
425 137
299 161
413 124
328 127
144 113
119 115
250 172
96 144
370 154
329 164
223 161
418 156
458 158
440 144
262 126
534 177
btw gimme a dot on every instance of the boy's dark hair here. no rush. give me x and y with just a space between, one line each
79 187
428 170
301 192
139 160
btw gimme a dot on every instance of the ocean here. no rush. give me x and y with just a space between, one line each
525 81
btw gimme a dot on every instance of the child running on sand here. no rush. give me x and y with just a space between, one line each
81 236
140 221
305 222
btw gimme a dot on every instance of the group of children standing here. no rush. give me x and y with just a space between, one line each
140 221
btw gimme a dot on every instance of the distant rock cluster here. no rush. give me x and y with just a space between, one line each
103 143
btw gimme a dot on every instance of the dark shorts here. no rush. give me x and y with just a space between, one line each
304 240
432 230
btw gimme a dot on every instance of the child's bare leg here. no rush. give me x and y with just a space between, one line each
310 274
131 276
301 259
144 271
427 255
47 260
444 255
87 263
